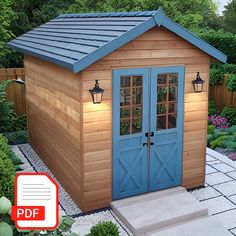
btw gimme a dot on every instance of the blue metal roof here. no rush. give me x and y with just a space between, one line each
76 41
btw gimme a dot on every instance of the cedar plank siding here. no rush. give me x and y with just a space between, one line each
53 104
157 47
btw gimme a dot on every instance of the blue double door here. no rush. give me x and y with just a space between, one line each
147 129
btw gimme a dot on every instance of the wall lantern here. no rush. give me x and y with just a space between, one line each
198 84
19 80
96 93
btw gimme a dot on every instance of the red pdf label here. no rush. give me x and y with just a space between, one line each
28 213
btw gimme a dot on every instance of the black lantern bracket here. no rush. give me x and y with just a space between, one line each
198 84
96 93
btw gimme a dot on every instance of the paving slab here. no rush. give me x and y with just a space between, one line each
205 193
218 204
207 226
217 178
162 209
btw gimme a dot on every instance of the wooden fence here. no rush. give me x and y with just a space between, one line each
15 92
221 95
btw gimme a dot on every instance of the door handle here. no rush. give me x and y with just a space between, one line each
145 144
152 134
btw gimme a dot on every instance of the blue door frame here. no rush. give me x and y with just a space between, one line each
136 168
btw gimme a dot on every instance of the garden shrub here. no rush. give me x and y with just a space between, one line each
17 137
9 121
229 113
211 129
231 129
7 171
216 76
212 109
210 138
223 41
225 68
107 228
224 138
8 160
5 148
218 142
231 83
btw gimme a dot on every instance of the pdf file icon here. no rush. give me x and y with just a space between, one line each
36 201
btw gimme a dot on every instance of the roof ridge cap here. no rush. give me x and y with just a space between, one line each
108 14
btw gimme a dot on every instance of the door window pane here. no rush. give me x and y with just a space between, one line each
124 113
131 104
172 93
161 122
125 81
167 89
161 94
137 96
124 127
171 121
161 109
137 111
162 79
137 80
136 125
173 107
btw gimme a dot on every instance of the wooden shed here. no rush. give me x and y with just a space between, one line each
148 133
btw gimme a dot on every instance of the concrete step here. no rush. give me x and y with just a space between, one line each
209 226
153 211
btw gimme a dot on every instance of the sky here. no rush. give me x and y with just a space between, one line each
221 4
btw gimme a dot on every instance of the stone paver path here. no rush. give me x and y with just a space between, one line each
219 195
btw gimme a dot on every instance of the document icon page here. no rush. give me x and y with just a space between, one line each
36 201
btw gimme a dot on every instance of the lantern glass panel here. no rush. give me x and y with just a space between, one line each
97 97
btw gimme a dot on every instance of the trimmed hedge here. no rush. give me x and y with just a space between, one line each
223 41
229 113
7 169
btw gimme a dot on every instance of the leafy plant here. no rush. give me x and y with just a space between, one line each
210 138
216 76
5 148
107 228
211 129
230 113
231 83
225 68
7 171
7 114
8 162
17 137
9 121
222 40
218 121
224 138
212 109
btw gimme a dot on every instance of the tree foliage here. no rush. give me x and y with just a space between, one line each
230 17
6 17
